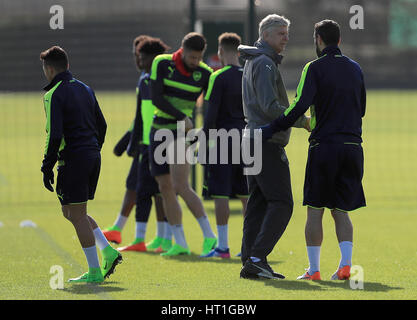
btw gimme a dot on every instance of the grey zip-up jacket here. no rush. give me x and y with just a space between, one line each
263 91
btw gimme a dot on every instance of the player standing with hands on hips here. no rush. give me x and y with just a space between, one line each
75 128
332 86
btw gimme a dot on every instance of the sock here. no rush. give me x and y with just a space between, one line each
222 232
141 229
120 221
205 227
179 236
101 240
314 259
168 232
255 259
346 250
92 257
160 228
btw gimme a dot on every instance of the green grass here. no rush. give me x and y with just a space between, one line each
384 231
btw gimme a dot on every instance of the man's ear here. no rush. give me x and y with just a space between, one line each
320 40
340 40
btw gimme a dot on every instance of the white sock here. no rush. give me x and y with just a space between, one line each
205 227
120 221
92 257
346 250
179 236
314 259
101 240
141 230
168 232
160 228
222 231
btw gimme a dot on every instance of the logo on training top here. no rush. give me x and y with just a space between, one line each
171 71
196 75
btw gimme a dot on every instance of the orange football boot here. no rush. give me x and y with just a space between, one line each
138 247
342 274
306 276
113 234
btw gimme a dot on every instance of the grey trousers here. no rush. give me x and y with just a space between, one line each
270 204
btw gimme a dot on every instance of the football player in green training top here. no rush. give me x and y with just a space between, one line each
177 80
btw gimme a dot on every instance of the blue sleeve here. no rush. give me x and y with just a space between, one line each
214 99
306 92
101 124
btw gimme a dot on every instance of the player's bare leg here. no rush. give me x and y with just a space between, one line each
344 233
173 210
314 227
163 240
222 209
180 175
114 233
159 208
77 215
173 213
128 203
314 238
222 218
343 224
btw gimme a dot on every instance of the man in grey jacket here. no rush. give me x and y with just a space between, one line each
270 204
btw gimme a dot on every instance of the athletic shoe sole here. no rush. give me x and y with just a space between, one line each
117 261
253 271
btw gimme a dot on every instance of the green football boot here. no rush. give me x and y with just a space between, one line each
154 244
208 245
176 250
93 275
166 244
111 258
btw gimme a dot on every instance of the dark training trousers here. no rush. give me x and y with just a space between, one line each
270 204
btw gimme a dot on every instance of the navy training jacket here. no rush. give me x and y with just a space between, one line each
333 87
74 121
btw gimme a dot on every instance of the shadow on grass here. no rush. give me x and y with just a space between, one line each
289 284
102 290
367 286
325 285
196 258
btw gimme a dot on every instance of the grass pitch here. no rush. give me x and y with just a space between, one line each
384 231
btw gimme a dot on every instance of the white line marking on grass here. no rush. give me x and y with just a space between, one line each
28 224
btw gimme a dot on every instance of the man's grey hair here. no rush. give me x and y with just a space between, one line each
272 21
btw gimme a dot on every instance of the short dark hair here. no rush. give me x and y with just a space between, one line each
194 41
140 38
229 41
55 57
328 30
152 46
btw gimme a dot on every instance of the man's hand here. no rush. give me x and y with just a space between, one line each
132 149
267 132
307 124
121 146
48 180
